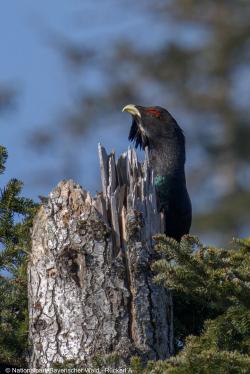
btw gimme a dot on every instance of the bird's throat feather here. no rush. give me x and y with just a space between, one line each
138 135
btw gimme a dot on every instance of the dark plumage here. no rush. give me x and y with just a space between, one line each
155 128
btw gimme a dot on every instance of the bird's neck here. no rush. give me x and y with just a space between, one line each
168 160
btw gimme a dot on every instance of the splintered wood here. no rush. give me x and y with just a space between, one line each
128 188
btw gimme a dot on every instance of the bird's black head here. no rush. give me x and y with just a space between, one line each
152 126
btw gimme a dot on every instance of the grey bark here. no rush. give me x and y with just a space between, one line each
90 284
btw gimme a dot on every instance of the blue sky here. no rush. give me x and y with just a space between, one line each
30 63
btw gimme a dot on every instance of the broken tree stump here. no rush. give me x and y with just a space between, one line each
90 285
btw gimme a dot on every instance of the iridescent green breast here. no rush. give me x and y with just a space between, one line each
161 180
163 185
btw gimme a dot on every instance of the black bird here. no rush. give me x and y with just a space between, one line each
155 128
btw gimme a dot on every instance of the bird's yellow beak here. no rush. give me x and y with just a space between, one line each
131 108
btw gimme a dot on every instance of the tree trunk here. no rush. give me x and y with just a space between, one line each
90 287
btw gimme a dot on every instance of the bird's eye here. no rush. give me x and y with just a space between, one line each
154 112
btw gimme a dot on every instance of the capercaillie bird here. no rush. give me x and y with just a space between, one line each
155 128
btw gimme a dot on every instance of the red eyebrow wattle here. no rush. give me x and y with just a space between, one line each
154 112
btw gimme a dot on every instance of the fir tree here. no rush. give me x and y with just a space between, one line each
16 214
211 301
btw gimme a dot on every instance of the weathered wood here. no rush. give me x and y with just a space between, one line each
90 286
103 157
